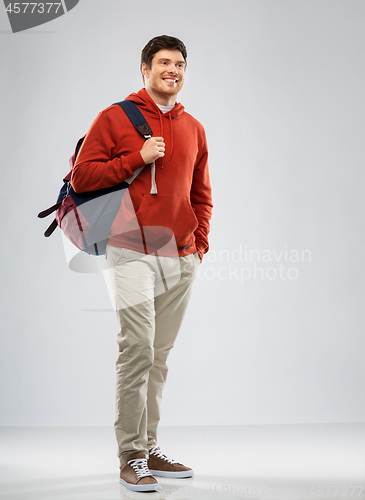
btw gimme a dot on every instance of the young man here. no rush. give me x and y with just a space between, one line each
156 245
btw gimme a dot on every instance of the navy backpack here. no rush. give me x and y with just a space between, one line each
86 218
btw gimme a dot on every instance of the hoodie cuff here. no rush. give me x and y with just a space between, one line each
135 160
200 255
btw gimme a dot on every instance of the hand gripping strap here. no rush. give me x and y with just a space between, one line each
136 117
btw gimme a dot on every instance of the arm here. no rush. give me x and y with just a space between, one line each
201 200
99 163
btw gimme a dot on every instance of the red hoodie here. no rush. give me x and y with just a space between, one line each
183 203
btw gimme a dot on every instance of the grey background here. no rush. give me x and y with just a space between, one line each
279 86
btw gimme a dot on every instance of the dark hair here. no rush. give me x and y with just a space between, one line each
159 43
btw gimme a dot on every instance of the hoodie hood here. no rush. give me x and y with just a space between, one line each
147 104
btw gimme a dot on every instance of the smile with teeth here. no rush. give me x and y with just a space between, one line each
170 80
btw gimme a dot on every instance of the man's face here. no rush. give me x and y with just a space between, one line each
166 76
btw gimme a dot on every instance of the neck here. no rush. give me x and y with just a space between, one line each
162 99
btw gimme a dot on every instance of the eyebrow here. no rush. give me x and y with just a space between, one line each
170 60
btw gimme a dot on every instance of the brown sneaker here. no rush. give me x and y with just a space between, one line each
160 465
136 476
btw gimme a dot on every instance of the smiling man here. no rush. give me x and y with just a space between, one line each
155 252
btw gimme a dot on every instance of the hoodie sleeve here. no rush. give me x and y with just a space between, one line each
201 199
99 163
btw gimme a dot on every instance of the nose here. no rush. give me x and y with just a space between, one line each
173 69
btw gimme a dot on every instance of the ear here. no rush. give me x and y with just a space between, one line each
145 70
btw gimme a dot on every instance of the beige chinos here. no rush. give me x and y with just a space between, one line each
150 296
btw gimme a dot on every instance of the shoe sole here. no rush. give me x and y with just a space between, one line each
180 474
140 487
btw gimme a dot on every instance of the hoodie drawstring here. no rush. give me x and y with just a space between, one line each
153 166
172 137
153 179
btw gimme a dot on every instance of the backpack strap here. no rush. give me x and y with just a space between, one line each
49 210
136 117
50 228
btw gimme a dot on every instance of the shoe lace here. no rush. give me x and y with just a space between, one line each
140 467
158 453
